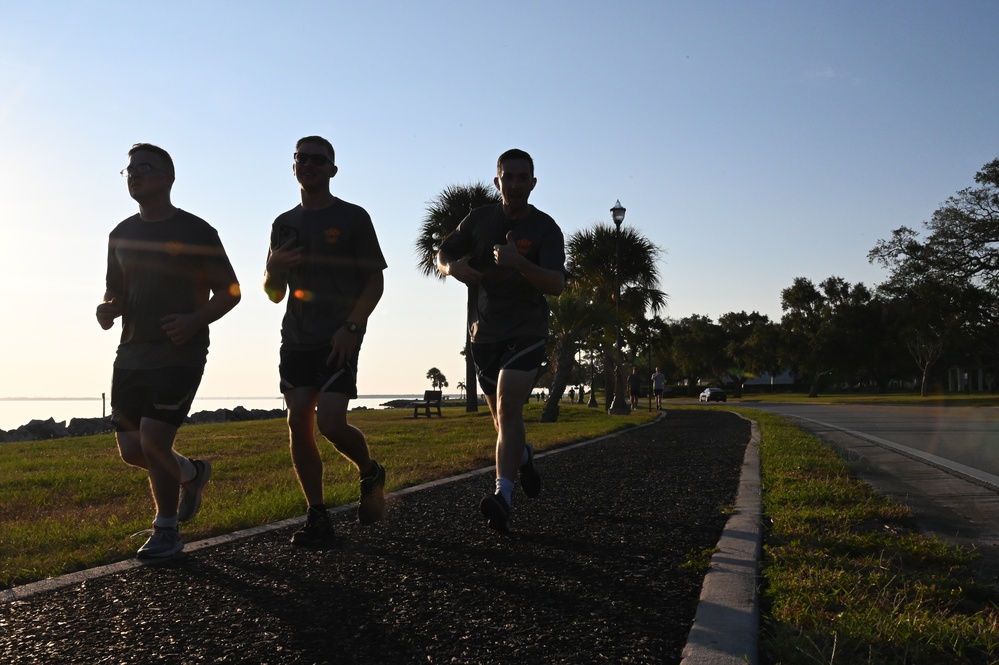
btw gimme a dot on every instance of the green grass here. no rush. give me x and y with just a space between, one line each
848 580
69 504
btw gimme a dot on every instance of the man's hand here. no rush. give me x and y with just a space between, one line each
508 255
107 312
180 328
344 345
463 272
284 258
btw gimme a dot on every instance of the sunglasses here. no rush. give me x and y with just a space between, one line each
138 169
315 160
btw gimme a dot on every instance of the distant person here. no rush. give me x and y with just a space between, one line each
513 255
325 253
635 387
658 385
572 395
168 277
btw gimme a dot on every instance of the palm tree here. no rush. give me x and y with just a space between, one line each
461 388
437 380
443 215
591 259
572 318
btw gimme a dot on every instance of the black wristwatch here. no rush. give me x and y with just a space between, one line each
352 327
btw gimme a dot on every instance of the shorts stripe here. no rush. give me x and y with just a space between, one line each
333 378
174 407
522 352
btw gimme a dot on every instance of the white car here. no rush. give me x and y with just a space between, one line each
713 395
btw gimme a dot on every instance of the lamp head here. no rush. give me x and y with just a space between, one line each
617 213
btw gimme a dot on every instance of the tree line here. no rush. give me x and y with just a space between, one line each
937 309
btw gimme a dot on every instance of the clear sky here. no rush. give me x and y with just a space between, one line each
754 142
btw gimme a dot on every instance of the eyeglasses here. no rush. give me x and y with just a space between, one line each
139 169
315 160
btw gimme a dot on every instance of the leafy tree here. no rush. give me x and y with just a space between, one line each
819 327
697 349
437 380
737 329
943 287
443 214
761 352
963 237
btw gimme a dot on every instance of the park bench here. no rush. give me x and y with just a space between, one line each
431 399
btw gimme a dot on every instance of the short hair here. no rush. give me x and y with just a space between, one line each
321 141
513 153
156 150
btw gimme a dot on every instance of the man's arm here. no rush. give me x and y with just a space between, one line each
279 262
109 310
344 342
549 282
180 328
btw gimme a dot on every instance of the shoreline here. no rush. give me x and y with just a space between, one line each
38 429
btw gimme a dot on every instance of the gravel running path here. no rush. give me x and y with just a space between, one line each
593 573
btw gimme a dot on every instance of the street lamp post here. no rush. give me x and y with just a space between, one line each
592 404
619 407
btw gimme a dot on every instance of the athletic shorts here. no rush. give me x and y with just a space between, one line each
521 353
164 394
658 392
308 369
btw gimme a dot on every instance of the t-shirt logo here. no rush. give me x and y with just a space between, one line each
332 235
524 246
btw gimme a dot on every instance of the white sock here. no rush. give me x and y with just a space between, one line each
504 487
165 522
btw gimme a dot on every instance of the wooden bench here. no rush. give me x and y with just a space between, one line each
431 398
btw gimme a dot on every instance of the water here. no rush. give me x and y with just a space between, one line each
17 411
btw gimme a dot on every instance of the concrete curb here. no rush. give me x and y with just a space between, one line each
727 624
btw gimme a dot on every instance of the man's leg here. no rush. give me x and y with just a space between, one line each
305 457
156 439
130 449
318 528
507 407
350 442
347 439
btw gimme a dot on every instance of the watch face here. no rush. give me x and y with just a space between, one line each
352 327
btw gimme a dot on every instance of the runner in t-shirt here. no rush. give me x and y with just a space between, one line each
168 277
325 255
513 255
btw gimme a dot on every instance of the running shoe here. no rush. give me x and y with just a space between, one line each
530 479
190 492
317 530
162 543
371 506
497 512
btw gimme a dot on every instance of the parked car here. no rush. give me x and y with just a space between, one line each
713 395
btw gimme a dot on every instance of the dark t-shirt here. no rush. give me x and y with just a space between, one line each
162 268
506 304
635 383
341 252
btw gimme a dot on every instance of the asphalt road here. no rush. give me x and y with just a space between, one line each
959 436
941 462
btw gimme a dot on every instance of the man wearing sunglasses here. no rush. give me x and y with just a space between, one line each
168 277
324 254
513 255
